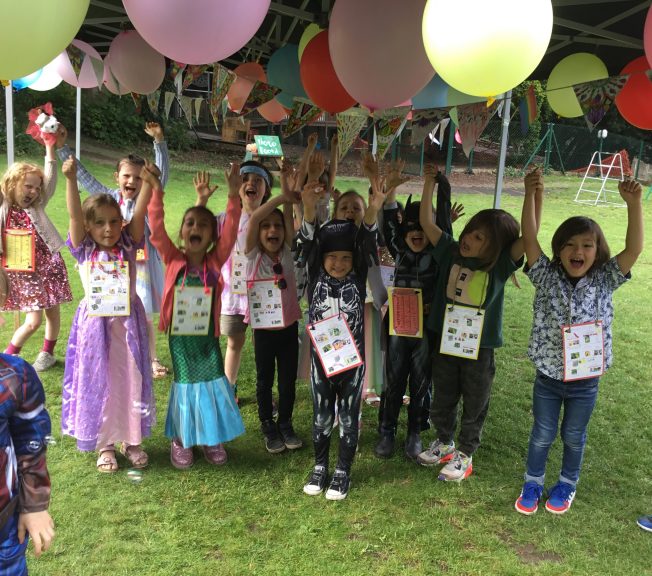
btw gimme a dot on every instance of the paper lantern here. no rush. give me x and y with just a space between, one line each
48 79
135 64
319 78
574 69
283 72
25 81
34 32
634 101
485 48
272 111
647 36
109 80
308 34
377 52
247 74
197 32
87 76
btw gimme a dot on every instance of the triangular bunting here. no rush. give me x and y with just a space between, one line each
175 69
152 101
222 80
197 102
191 73
303 113
186 105
596 97
76 57
349 124
528 109
98 70
473 119
138 102
387 126
169 98
424 121
260 93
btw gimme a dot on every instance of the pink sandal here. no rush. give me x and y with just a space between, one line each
135 454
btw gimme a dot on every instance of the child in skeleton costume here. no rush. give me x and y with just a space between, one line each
337 258
409 357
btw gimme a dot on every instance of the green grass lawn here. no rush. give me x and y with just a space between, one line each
251 517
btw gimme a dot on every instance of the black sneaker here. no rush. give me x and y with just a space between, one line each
290 439
339 488
273 442
413 446
385 446
316 481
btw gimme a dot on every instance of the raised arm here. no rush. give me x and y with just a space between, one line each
49 173
530 218
161 156
76 227
257 216
156 213
229 233
376 202
150 177
631 192
289 190
332 167
303 164
431 230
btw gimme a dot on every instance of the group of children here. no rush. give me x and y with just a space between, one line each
250 266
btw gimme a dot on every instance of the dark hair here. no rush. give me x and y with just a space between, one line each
92 203
278 212
131 159
201 211
580 225
501 229
347 194
268 189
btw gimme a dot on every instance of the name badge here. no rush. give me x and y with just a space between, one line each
405 312
265 304
191 311
19 250
334 344
583 350
462 331
142 254
387 274
238 273
107 288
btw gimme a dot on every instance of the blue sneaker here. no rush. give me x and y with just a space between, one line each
560 498
645 522
528 501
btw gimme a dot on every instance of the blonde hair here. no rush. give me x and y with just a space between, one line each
14 175
93 203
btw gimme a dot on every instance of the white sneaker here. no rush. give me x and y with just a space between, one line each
459 468
437 453
44 361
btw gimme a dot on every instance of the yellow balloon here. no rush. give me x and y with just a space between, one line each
486 48
308 34
35 31
574 69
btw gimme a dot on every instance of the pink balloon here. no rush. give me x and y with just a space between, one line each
87 77
109 80
247 74
272 111
647 37
369 53
197 31
135 64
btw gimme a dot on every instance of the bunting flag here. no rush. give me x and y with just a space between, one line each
152 101
222 80
596 97
76 57
98 70
424 121
4 83
528 109
303 112
349 124
473 119
191 73
387 126
260 93
197 103
186 105
442 130
169 98
138 101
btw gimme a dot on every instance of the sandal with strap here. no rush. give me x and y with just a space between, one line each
158 370
106 462
135 454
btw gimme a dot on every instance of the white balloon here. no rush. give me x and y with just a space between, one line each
48 79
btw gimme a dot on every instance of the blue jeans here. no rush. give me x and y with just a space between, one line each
578 399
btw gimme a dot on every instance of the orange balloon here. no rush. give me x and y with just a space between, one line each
272 111
247 74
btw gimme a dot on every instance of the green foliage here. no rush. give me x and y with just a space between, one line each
111 119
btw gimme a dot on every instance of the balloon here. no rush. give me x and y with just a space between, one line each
110 81
34 32
647 36
283 72
379 60
458 138
633 101
485 48
272 111
438 94
197 32
48 79
247 74
87 77
574 69
319 79
25 81
308 34
135 64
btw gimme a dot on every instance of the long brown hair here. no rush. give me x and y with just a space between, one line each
501 230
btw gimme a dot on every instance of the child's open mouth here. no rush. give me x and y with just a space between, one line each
251 192
576 263
195 240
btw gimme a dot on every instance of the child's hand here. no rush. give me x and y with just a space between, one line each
39 526
150 173
154 130
312 140
311 193
394 174
430 172
62 136
233 179
316 166
631 191
69 167
457 211
335 141
202 182
289 176
378 194
533 181
369 166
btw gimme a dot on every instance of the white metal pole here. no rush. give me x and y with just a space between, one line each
78 125
500 174
9 105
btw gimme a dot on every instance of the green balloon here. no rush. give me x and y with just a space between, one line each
574 69
35 31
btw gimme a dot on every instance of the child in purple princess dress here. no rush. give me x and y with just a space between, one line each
107 388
